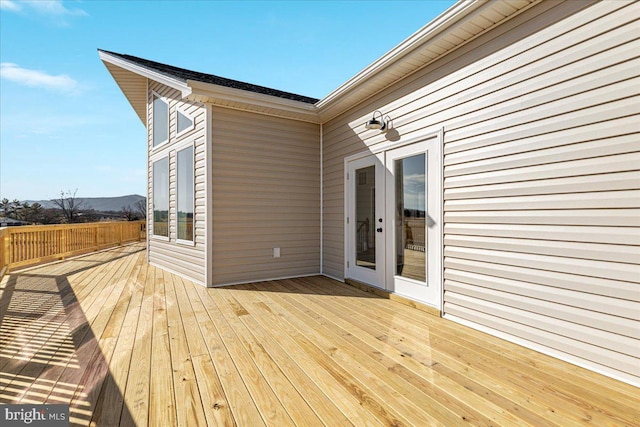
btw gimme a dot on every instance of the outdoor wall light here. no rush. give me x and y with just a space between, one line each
374 123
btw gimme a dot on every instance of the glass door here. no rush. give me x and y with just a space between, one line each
413 221
365 228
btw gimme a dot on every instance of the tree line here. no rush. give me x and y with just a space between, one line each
68 209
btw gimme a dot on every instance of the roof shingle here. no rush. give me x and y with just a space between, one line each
183 75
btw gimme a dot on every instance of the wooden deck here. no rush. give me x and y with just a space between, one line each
129 344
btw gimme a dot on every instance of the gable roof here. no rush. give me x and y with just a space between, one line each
185 75
461 23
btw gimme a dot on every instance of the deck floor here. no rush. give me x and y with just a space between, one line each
125 343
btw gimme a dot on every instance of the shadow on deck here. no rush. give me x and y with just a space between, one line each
125 343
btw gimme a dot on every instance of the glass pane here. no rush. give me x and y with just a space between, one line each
160 121
185 194
161 197
410 217
184 122
365 217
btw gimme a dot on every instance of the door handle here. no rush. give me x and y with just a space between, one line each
379 230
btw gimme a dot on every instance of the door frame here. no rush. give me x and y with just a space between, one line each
368 276
438 198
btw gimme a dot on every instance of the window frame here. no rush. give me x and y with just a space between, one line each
191 144
181 110
153 199
155 95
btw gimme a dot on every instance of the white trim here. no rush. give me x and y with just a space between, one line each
149 174
566 357
181 110
207 92
208 188
244 282
321 199
430 32
163 267
164 99
184 146
145 72
154 236
333 277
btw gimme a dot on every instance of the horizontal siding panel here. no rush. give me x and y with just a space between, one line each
591 268
557 318
482 160
610 164
608 287
610 235
542 208
266 194
500 318
186 260
582 184
566 298
624 107
599 200
594 217
594 251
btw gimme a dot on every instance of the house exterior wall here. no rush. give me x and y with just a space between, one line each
266 195
186 260
541 120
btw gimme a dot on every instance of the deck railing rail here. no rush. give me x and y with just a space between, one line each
34 244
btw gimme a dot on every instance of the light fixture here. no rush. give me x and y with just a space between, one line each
376 124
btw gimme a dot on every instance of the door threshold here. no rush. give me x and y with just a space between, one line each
395 297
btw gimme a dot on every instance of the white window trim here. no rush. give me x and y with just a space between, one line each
153 223
164 99
181 147
190 128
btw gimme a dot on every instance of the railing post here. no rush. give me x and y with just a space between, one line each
6 249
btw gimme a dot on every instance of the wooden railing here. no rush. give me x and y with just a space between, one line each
34 244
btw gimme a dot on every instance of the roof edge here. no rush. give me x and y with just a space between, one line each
443 21
106 56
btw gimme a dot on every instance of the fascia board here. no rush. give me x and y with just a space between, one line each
150 74
212 91
428 33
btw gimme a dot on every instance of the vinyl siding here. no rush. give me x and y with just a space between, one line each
541 178
266 194
185 260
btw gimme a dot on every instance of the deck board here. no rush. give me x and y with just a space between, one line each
126 343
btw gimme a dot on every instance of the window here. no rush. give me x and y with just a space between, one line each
185 194
161 198
185 122
160 121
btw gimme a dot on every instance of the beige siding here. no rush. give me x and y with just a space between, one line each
186 260
266 194
542 178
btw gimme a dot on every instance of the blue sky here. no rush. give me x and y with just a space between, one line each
65 125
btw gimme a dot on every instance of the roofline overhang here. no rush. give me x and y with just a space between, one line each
417 39
341 99
212 93
337 102
184 89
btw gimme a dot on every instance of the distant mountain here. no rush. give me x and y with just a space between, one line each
100 204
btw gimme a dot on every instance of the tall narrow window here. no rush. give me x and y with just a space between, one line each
185 122
185 194
160 121
160 196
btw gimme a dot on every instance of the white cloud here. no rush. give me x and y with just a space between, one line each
35 78
10 5
52 10
53 7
